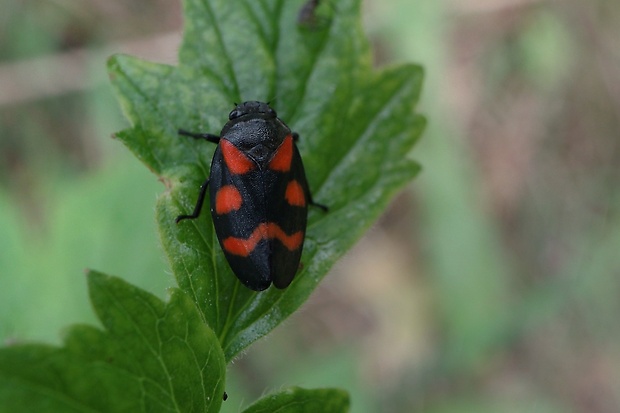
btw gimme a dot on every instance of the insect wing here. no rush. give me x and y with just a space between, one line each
236 205
287 212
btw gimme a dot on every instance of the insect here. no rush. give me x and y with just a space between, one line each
309 17
259 196
307 14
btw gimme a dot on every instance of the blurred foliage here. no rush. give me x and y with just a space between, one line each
492 286
149 356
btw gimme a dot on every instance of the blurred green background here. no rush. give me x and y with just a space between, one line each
491 285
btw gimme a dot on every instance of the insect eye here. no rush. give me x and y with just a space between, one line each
234 114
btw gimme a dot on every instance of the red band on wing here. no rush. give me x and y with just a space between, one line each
227 199
291 242
281 161
244 247
236 161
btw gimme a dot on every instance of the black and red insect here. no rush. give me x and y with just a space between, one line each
259 196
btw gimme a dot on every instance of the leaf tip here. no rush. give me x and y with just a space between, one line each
95 278
112 66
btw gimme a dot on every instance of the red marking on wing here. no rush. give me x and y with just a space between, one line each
291 242
236 161
227 199
283 157
295 194
244 247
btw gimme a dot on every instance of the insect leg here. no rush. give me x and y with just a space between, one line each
207 136
201 199
325 208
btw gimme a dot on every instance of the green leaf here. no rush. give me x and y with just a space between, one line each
357 127
151 356
298 400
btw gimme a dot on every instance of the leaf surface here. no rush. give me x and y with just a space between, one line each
298 400
150 356
357 127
